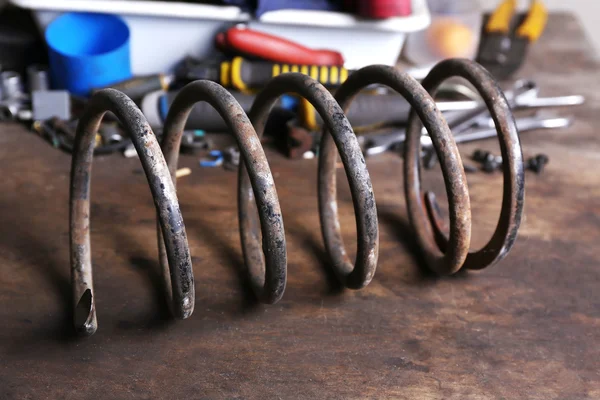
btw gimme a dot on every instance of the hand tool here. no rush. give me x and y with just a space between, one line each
377 144
372 109
525 94
391 109
243 75
247 42
502 49
538 121
522 95
366 110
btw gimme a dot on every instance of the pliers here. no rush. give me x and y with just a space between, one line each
505 39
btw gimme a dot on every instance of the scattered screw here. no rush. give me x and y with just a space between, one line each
479 155
490 166
489 161
537 163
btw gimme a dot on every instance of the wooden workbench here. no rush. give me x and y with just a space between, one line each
526 328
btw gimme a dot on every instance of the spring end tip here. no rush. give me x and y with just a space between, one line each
85 318
185 309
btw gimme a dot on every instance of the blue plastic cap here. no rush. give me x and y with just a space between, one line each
88 51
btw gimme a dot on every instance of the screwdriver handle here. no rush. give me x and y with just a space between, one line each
244 75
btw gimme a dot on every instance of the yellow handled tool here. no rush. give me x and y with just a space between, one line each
499 21
244 75
535 22
503 46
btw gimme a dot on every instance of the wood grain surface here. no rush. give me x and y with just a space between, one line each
528 328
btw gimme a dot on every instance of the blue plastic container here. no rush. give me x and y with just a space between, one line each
88 51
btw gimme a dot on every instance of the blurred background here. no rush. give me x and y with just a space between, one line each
54 55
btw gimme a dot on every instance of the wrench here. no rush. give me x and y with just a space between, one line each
381 143
522 95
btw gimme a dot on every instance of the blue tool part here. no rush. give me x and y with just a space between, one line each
215 159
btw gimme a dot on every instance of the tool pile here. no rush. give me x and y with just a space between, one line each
248 59
475 123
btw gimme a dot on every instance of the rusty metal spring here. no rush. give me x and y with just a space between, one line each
444 255
180 282
265 251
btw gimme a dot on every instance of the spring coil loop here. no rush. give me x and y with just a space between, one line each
180 282
513 196
267 261
443 255
258 203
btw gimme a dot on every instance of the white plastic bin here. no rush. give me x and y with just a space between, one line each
162 33
361 41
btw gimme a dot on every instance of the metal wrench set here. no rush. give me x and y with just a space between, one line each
470 120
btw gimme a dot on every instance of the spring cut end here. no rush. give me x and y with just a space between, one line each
85 317
186 308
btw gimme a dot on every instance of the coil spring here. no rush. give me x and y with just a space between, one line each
267 261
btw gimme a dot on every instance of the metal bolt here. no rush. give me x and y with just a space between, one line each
537 163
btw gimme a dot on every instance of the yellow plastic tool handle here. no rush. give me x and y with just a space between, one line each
234 73
535 22
326 75
499 21
330 76
230 75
